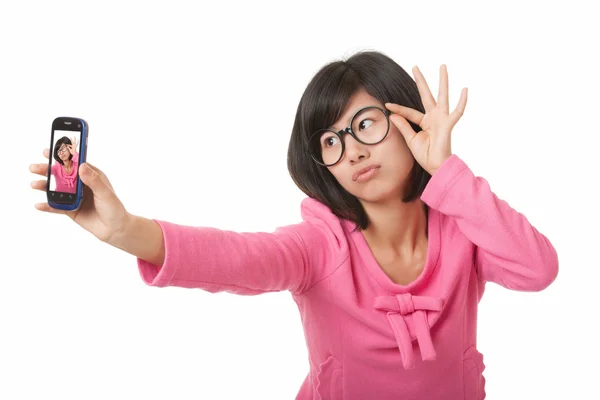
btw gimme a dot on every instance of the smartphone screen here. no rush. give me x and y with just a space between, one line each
64 160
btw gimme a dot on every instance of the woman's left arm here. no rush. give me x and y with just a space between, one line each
510 251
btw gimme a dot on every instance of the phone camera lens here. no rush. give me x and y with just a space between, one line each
79 125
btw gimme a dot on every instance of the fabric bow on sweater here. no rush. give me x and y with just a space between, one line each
400 309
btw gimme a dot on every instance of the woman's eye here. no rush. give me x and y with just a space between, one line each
330 141
364 124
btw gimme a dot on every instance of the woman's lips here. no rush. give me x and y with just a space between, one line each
366 173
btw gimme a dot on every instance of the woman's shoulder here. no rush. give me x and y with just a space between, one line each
323 239
317 213
321 232
322 229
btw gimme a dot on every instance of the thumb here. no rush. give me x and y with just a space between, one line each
94 179
404 127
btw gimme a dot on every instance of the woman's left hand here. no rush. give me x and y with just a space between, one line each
73 146
430 146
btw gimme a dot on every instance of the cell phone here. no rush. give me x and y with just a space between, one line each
68 150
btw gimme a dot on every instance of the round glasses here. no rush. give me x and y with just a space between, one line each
63 149
369 125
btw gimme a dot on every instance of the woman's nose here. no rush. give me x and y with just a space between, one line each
354 149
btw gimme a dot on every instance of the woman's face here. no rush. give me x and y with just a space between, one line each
391 158
63 152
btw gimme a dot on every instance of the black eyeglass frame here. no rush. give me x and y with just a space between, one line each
340 134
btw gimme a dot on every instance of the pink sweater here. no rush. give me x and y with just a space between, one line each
369 338
66 182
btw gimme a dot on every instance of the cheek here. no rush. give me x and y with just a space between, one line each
396 152
397 140
342 176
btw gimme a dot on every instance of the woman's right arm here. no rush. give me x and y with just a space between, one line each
140 237
293 257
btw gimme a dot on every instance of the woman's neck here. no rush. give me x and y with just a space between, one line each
397 227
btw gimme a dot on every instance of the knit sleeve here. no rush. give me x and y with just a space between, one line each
293 258
509 250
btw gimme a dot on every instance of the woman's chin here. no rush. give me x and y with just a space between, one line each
379 194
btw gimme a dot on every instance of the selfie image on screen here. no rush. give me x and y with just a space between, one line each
65 161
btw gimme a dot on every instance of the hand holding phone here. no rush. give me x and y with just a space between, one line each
88 197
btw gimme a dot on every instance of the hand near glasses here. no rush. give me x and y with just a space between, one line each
73 146
431 146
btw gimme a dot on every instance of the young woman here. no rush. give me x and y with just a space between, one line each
67 162
397 241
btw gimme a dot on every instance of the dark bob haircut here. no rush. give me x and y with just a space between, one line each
59 143
323 103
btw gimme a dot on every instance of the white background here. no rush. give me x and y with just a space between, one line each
190 110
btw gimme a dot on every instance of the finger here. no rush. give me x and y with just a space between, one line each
39 185
443 89
414 116
46 208
404 127
460 108
426 96
94 168
46 153
40 169
96 181
101 173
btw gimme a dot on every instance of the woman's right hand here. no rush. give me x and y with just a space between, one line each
101 212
